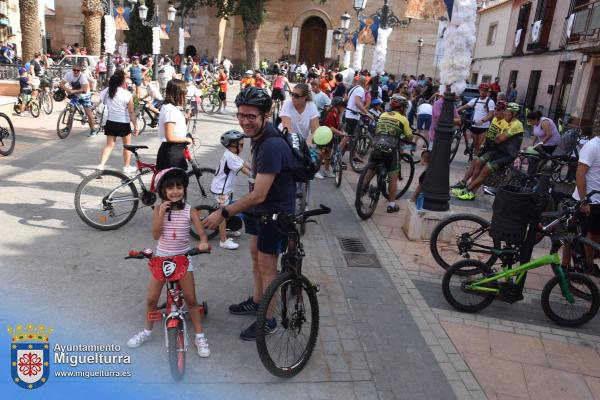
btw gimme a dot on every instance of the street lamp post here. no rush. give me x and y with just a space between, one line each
420 44
155 22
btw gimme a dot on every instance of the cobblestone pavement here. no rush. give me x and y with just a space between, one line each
508 351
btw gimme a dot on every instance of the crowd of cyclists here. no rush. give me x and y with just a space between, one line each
396 106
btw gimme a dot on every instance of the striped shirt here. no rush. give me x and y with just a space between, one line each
175 237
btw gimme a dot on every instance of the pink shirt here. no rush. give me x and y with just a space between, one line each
435 116
175 237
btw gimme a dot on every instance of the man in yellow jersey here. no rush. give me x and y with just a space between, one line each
502 146
391 127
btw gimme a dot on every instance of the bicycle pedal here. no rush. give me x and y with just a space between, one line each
317 288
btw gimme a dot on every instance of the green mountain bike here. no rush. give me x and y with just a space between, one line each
568 298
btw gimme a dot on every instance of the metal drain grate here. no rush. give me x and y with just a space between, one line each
365 260
352 245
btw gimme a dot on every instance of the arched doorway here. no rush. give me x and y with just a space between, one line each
312 41
190 51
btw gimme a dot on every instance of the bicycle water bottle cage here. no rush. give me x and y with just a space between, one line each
169 269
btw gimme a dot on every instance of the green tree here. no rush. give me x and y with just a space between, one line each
139 37
252 13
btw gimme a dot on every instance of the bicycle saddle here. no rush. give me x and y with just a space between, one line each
132 148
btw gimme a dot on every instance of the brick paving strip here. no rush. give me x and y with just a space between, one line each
483 356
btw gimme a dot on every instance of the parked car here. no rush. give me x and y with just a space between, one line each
471 92
75 59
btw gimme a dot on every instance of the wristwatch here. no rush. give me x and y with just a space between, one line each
224 212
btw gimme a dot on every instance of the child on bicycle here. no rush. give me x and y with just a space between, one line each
156 98
224 181
25 89
171 223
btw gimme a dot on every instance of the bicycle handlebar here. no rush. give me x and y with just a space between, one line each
147 253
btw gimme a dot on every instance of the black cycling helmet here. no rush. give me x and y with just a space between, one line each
338 101
59 94
168 174
231 137
256 97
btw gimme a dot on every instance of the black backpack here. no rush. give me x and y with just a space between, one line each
304 163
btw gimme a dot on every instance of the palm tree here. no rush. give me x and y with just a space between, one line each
93 12
30 29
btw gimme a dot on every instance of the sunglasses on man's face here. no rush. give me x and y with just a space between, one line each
76 70
297 96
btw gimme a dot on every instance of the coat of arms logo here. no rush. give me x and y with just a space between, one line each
30 355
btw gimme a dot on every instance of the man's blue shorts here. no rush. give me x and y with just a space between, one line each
270 238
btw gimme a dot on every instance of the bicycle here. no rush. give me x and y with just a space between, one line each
360 143
210 102
459 134
7 135
107 199
336 160
47 87
302 193
173 312
32 106
142 113
233 223
74 112
481 285
372 192
284 353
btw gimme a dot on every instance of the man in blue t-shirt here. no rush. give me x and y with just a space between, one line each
272 190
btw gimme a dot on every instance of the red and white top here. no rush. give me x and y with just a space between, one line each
175 237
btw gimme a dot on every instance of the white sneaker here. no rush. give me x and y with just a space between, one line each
234 233
229 244
130 169
318 175
100 168
138 339
202 345
329 174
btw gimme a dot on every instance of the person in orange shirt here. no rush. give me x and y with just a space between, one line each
247 80
325 85
223 84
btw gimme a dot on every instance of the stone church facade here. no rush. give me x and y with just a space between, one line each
300 31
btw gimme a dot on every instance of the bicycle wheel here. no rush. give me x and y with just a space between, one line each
301 193
584 307
141 122
406 173
420 144
64 123
455 282
338 169
454 147
104 201
47 103
204 210
367 193
295 307
7 135
34 107
207 103
462 236
359 154
198 191
176 351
